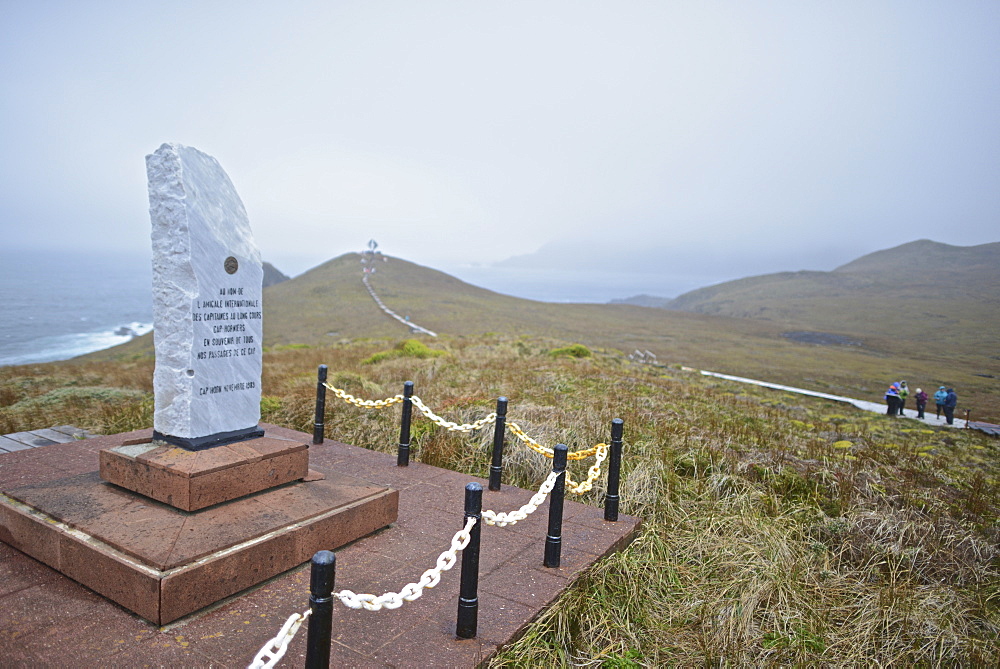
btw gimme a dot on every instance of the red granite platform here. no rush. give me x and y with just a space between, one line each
47 619
192 480
162 562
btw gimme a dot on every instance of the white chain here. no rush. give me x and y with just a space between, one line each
370 404
275 649
504 519
411 591
454 427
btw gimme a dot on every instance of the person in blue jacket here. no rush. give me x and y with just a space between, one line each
950 402
939 400
892 400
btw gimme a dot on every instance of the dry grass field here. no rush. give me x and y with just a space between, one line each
778 529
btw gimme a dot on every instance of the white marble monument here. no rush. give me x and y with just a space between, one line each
207 314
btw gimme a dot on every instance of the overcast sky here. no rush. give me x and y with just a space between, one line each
706 139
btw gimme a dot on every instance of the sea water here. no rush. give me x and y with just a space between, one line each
58 305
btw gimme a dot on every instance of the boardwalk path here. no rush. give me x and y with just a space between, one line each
929 417
381 305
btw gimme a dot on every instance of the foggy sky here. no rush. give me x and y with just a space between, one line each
721 138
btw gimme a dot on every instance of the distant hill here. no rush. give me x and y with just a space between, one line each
928 259
272 275
924 291
644 301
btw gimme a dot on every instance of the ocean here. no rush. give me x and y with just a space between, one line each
58 305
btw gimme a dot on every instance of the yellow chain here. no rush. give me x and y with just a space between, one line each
592 473
368 404
548 452
601 451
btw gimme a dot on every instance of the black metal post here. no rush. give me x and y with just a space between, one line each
614 471
321 578
468 592
320 405
553 541
403 455
499 428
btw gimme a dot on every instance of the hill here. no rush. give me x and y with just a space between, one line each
933 295
643 301
929 259
329 305
273 275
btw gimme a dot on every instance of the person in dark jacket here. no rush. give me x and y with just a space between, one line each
950 402
939 400
921 398
892 400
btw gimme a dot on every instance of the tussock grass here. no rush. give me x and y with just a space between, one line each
95 396
411 348
777 529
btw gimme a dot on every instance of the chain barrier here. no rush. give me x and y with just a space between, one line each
364 404
447 424
411 591
503 519
548 452
274 650
592 474
600 450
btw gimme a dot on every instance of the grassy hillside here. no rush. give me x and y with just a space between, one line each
329 304
778 529
927 259
933 296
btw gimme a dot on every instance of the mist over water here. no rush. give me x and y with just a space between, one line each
55 306
595 284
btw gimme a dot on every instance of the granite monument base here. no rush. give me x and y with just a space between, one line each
193 480
161 562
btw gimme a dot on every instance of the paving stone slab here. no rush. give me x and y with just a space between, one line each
74 433
10 445
29 439
52 435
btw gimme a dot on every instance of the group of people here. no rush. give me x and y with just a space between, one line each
945 399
